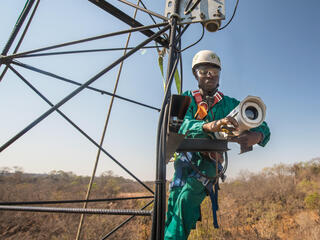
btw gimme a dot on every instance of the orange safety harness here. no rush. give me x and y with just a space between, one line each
203 108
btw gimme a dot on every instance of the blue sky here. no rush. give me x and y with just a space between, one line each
271 49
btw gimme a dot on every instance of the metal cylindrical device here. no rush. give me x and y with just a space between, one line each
250 113
212 25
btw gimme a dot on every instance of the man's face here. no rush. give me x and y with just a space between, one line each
208 77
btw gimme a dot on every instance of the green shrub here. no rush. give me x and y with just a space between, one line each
307 186
312 201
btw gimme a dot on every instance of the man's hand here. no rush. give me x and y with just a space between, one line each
215 126
248 139
229 121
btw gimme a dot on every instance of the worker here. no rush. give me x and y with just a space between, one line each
187 189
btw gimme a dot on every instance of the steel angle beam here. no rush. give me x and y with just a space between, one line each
203 145
17 27
174 140
128 20
178 143
145 10
77 210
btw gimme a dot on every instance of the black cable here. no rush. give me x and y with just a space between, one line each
181 67
234 13
152 18
165 36
182 32
156 219
194 42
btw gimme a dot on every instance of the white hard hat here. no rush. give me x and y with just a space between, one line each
205 56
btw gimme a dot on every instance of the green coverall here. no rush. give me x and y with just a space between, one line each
184 202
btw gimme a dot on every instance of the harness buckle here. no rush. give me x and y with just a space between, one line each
203 180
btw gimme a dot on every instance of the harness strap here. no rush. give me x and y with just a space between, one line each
203 107
214 204
209 185
198 98
183 162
